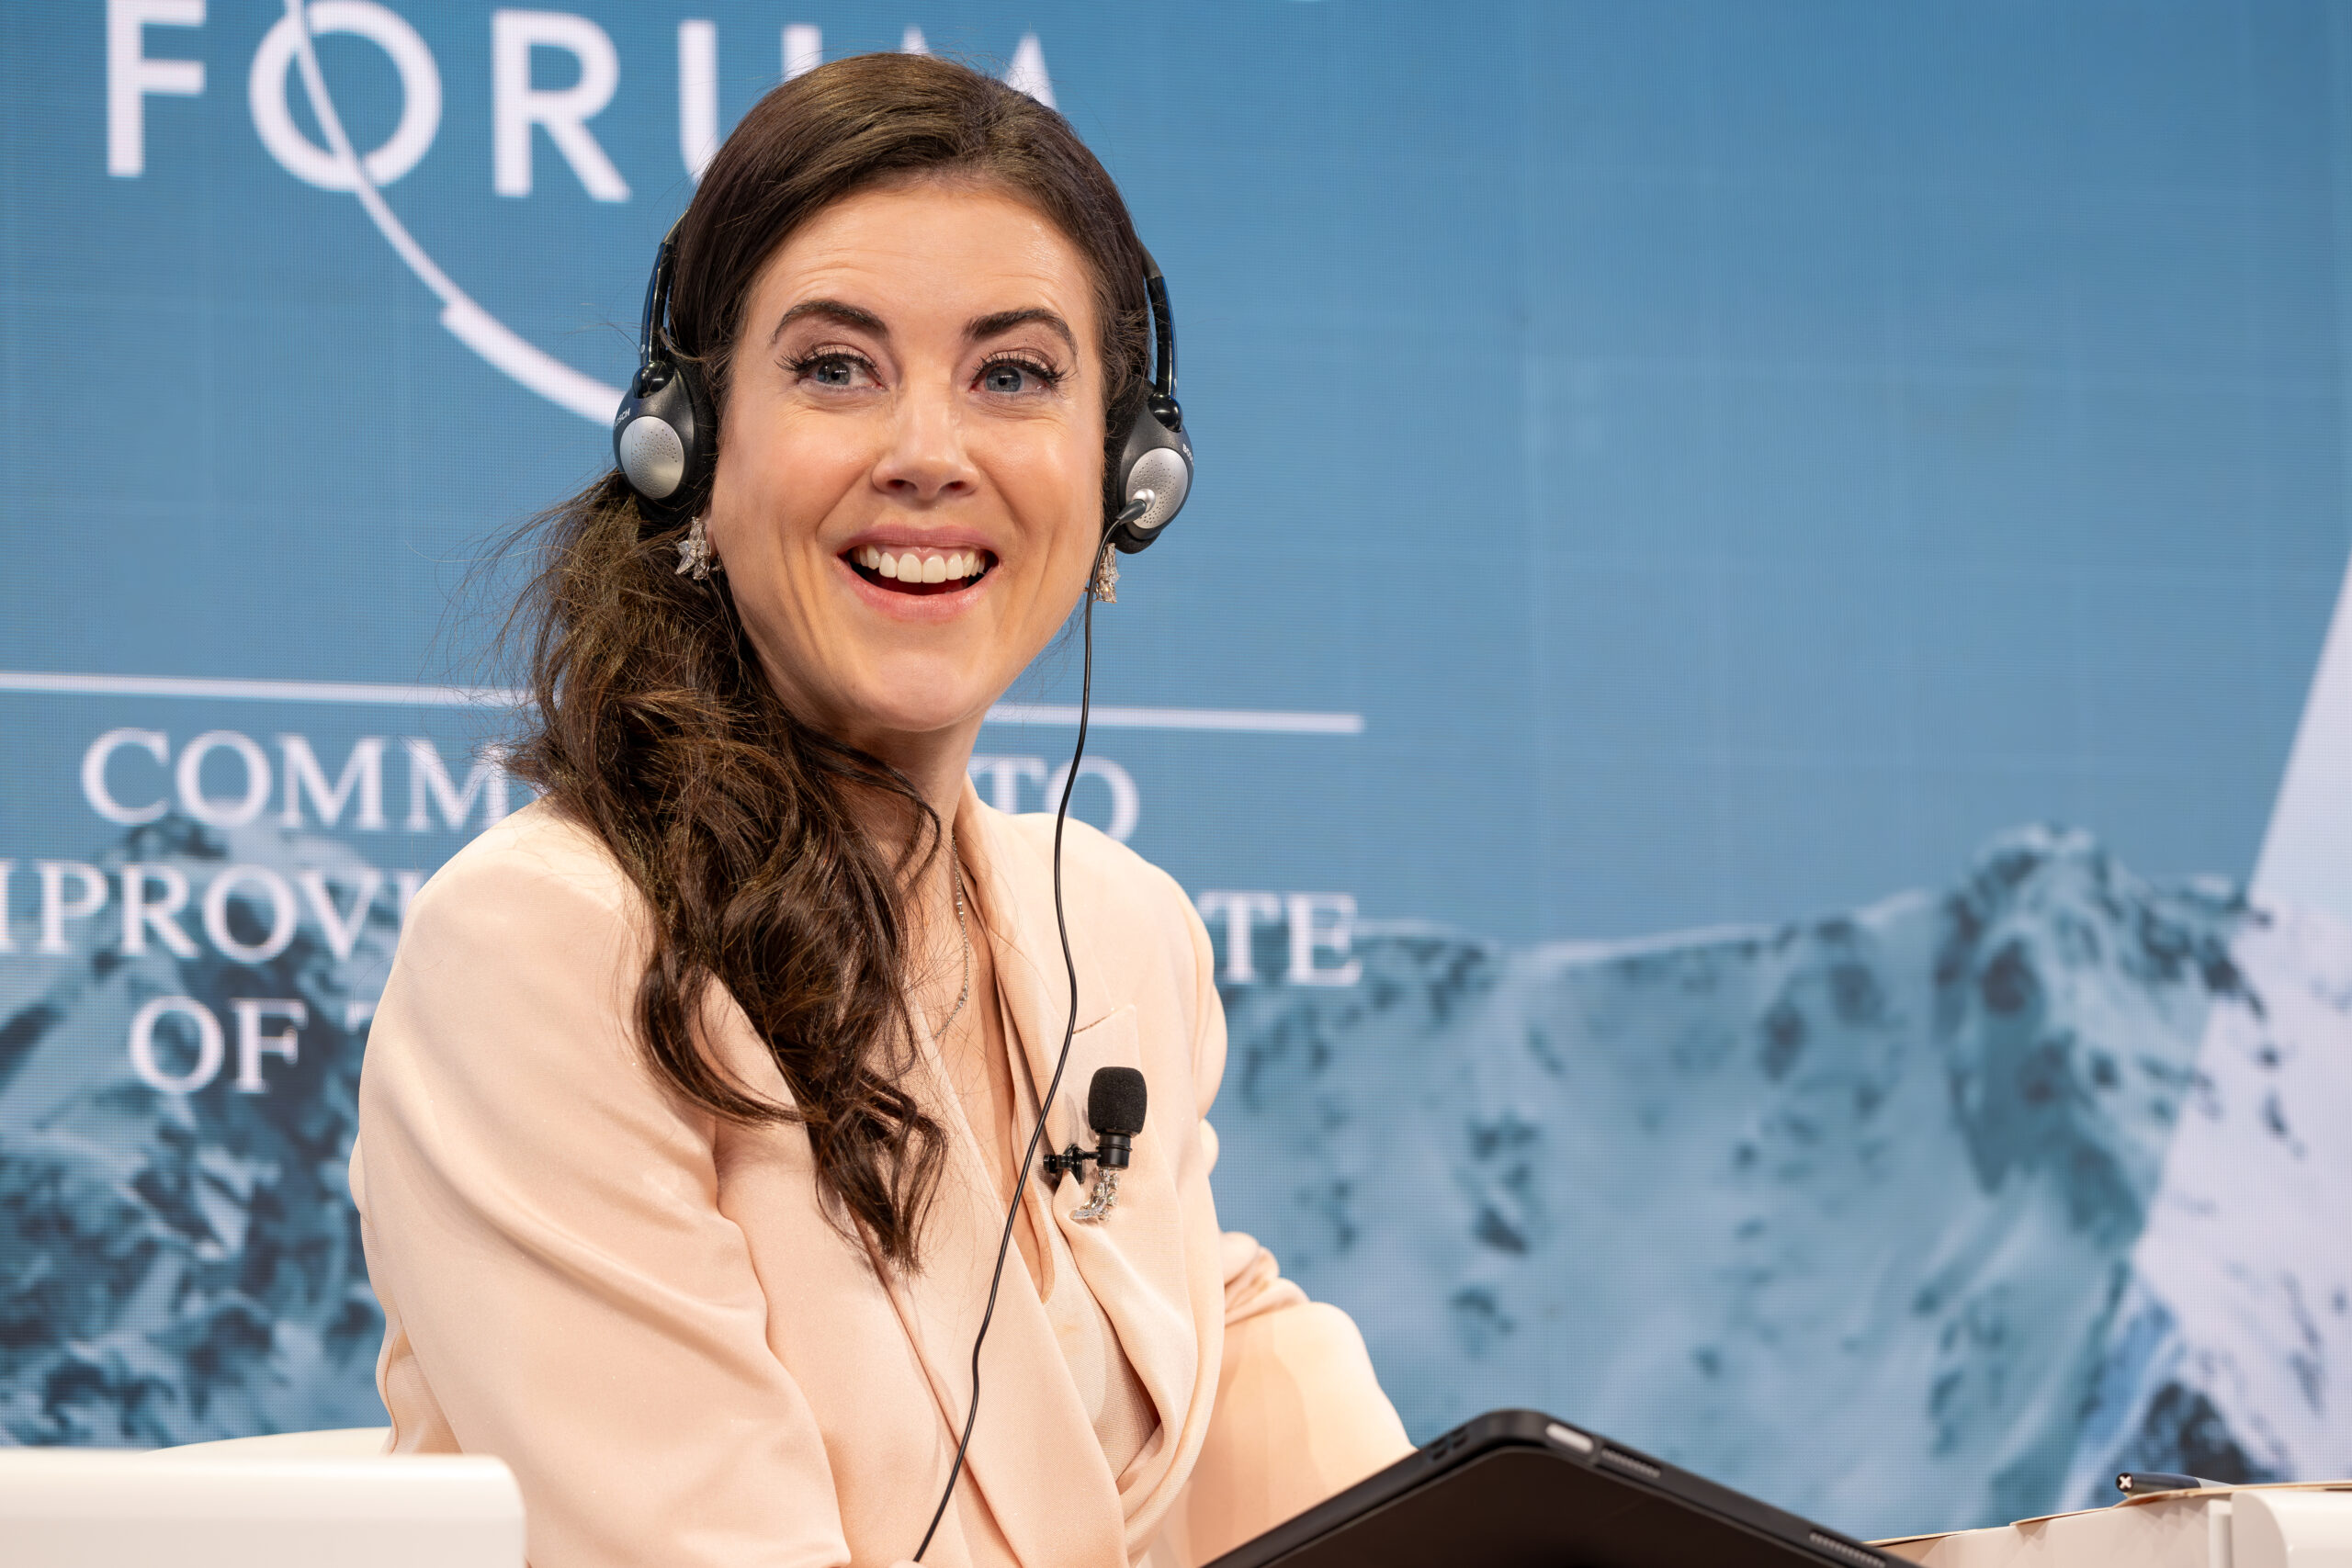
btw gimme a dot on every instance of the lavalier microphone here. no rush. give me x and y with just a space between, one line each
1115 1109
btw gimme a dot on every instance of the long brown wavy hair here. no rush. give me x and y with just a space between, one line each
749 833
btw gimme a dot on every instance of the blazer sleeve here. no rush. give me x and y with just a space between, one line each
1299 1413
541 1224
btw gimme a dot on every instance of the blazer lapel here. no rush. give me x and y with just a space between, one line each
1133 1260
1030 1448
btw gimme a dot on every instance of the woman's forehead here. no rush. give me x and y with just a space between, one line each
932 254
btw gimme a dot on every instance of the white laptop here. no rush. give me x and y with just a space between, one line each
113 1508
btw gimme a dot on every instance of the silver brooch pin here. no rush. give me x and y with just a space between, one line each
1100 1202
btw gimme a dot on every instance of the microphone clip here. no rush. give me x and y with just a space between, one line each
1114 1154
1117 1150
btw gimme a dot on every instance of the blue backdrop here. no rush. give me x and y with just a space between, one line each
1745 688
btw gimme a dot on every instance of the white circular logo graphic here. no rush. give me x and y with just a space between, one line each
337 166
420 92
466 322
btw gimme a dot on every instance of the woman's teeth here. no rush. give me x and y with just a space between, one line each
911 566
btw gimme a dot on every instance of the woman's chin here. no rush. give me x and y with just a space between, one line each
915 706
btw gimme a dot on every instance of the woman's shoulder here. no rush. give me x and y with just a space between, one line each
1115 879
538 854
529 940
539 881
1142 929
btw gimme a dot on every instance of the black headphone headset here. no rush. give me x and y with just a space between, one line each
664 434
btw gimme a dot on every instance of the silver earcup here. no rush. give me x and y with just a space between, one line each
662 441
1156 470
1164 472
651 458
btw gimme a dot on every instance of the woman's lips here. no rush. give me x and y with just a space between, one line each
916 572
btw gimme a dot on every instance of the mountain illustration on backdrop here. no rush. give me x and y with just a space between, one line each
1853 1212
174 1268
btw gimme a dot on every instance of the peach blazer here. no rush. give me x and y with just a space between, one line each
643 1311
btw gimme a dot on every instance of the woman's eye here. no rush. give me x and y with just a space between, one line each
1012 377
835 370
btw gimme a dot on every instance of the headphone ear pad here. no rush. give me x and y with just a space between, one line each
1158 458
663 441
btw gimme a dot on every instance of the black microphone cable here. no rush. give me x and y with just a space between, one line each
1070 1030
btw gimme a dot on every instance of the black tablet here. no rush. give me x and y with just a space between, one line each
1516 1489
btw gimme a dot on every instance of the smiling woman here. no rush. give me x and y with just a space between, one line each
698 1099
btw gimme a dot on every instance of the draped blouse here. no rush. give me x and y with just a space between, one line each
647 1312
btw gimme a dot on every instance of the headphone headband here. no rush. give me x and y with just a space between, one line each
657 298
1163 328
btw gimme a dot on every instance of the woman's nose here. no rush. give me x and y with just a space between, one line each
925 460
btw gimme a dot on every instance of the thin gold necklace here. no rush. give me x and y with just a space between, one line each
955 881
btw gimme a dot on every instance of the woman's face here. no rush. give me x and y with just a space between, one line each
910 478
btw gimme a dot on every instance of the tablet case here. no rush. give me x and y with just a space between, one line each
1518 1489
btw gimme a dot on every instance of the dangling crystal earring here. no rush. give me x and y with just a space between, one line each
1107 578
695 559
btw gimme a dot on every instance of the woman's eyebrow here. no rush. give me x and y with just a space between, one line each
833 310
981 327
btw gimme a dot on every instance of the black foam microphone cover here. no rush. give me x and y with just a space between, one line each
1114 1101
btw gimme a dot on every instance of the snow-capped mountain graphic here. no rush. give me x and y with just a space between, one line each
2225 1354
1847 1211
181 1266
